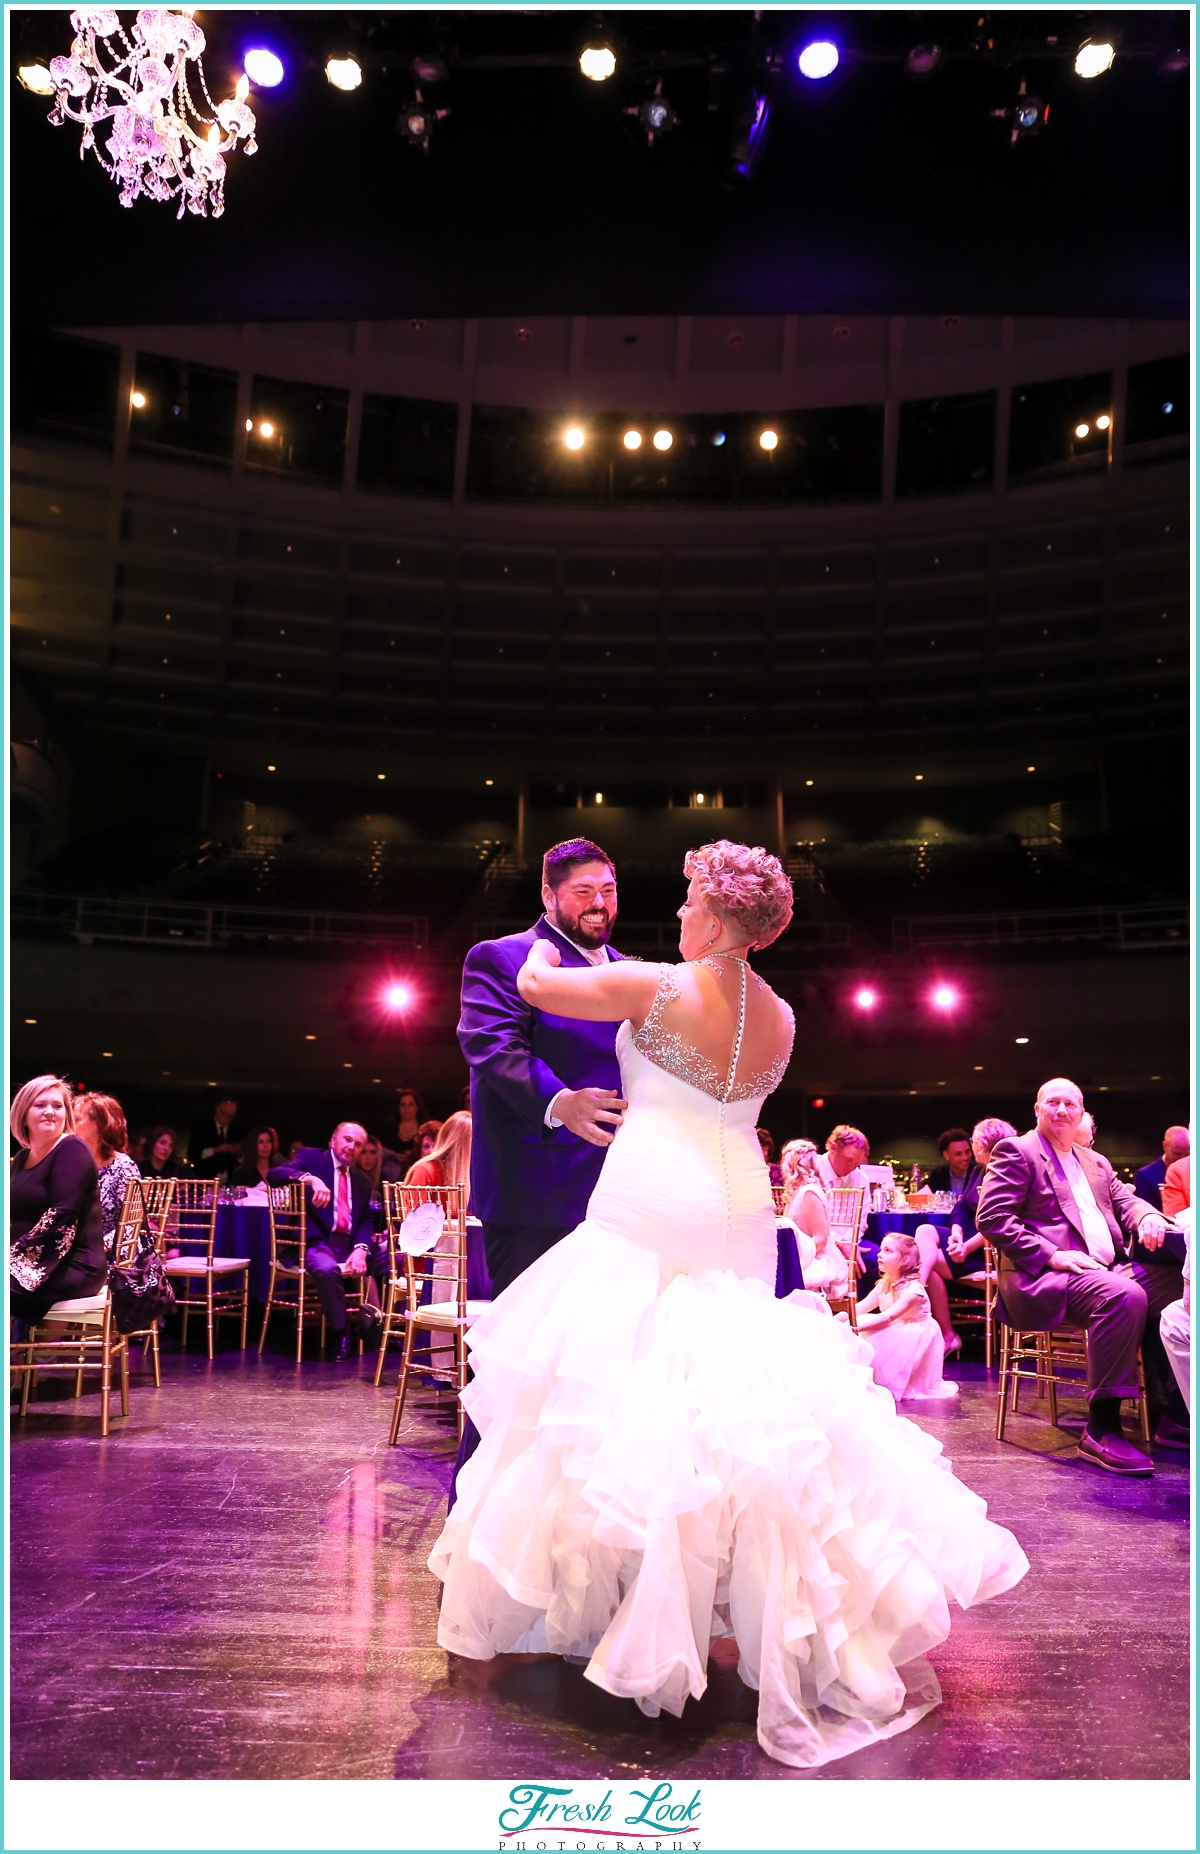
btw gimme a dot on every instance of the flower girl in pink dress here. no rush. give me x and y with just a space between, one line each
897 1323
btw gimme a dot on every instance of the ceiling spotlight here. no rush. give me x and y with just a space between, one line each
428 68
1081 431
923 60
416 121
1093 57
819 58
1025 115
944 997
597 62
599 798
662 440
768 439
655 114
1103 422
397 997
266 429
718 438
37 78
865 998
573 438
344 73
632 440
137 399
263 68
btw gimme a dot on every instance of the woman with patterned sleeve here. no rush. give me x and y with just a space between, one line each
56 1237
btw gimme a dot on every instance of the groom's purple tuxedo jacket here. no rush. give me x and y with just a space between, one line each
1028 1212
521 1170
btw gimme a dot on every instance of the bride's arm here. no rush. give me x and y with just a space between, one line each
602 994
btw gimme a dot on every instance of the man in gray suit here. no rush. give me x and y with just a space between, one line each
1063 1224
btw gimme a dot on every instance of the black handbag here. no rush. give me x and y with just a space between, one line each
140 1292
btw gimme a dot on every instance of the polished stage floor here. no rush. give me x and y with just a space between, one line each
233 1586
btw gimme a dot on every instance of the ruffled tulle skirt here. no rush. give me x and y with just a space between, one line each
662 1464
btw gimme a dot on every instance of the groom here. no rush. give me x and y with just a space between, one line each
545 1091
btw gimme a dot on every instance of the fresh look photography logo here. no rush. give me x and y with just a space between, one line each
558 1816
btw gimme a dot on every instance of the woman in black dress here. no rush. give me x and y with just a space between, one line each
56 1236
261 1150
162 1158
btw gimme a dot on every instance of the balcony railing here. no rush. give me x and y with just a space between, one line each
1140 928
198 924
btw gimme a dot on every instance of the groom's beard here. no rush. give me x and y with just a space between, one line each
590 928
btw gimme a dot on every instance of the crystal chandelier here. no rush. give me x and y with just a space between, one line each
160 144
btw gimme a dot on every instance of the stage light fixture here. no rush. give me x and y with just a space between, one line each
1093 57
599 798
249 424
1022 1039
397 997
663 440
36 77
1025 115
597 62
428 68
632 440
263 68
865 998
768 439
1103 422
266 429
573 438
718 439
656 114
819 58
923 60
1168 406
417 120
943 997
344 73
137 399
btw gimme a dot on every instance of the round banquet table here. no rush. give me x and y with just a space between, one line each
878 1225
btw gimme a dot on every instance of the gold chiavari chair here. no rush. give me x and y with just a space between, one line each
190 1238
1053 1361
847 1214
446 1322
398 1201
91 1338
289 1278
972 1301
779 1197
149 1201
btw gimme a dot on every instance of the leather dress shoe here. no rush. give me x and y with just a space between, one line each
1115 1454
343 1345
1170 1434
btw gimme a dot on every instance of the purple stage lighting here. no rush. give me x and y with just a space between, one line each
865 998
819 58
943 997
397 997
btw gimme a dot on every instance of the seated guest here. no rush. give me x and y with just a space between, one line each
295 1147
1175 1323
261 1148
1061 1222
429 1132
100 1124
448 1160
824 1265
1177 1187
410 1111
215 1143
845 1150
767 1141
162 1158
135 1146
897 1323
951 1175
1086 1135
1148 1181
55 1230
380 1165
341 1240
964 1244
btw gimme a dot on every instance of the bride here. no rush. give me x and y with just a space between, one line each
669 1454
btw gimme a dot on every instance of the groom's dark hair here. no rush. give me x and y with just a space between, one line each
558 862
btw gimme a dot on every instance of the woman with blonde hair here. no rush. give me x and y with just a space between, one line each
56 1231
824 1267
642 1485
449 1160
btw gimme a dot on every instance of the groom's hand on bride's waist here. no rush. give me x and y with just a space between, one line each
593 1113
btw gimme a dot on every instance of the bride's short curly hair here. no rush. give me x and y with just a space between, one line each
746 888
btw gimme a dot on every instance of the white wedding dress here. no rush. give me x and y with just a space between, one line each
670 1454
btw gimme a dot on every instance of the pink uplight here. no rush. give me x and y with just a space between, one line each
944 997
397 997
865 998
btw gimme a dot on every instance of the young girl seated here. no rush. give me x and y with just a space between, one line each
897 1323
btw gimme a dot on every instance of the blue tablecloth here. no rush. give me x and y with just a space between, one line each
878 1225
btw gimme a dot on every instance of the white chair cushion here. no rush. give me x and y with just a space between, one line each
89 1309
196 1264
447 1316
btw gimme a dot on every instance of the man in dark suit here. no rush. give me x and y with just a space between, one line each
215 1141
1148 1181
545 1090
341 1238
1065 1227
